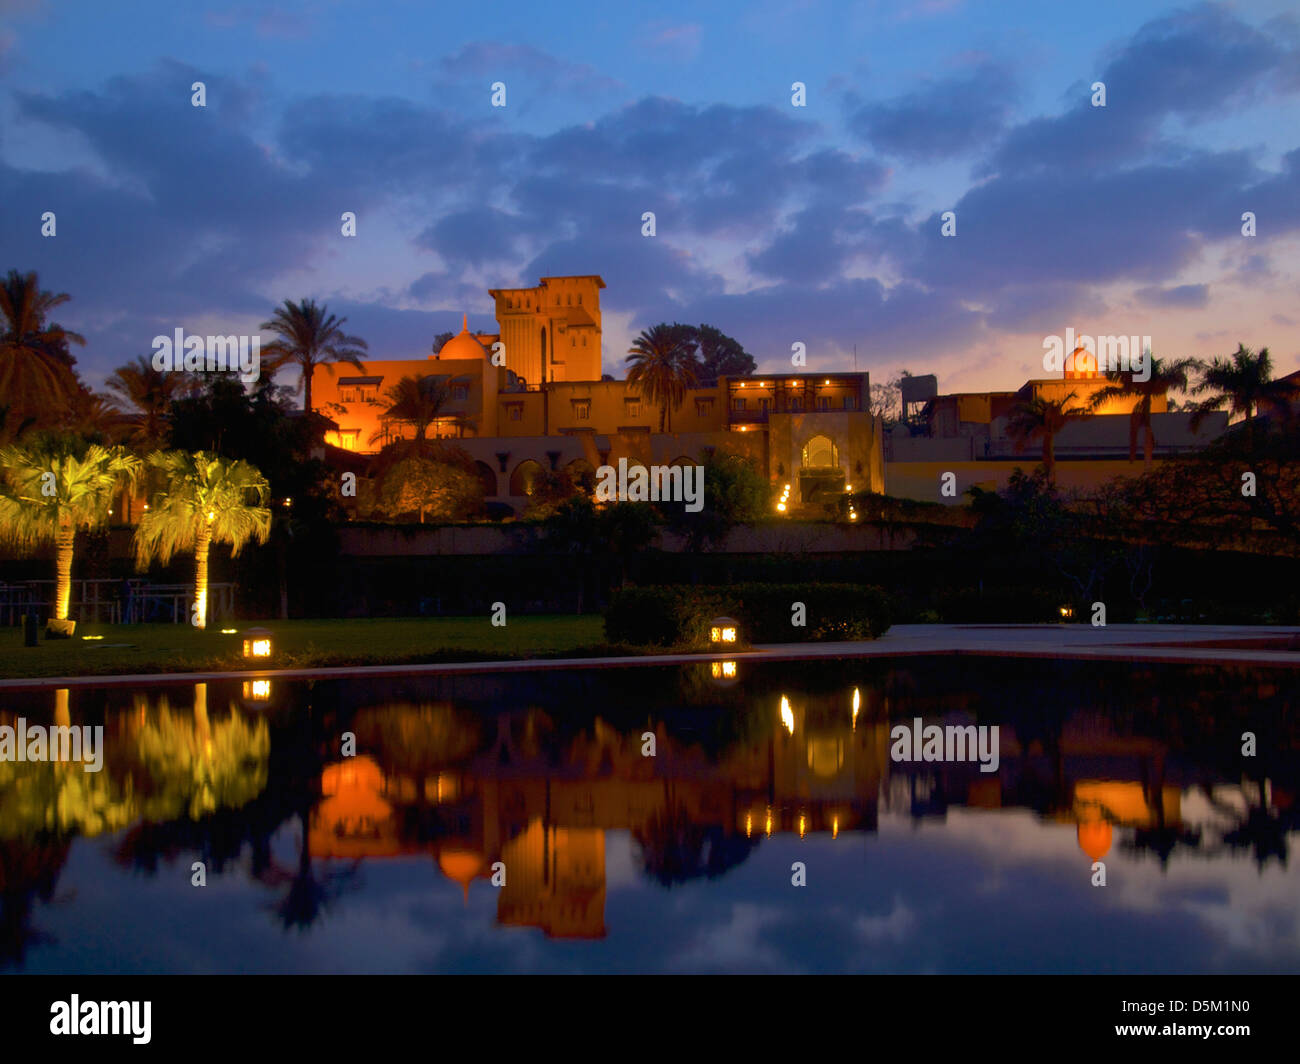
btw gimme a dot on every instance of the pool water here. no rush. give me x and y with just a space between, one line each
693 819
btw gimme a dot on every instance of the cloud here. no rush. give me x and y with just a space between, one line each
491 60
943 119
1193 64
1183 295
673 42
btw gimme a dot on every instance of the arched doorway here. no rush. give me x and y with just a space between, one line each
820 477
523 481
487 477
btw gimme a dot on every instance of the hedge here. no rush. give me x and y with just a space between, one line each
680 615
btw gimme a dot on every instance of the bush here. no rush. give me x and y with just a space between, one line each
680 615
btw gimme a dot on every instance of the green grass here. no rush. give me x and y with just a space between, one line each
181 648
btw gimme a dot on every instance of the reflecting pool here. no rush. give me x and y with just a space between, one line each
658 820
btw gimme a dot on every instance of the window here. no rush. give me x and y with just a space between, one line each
849 403
632 407
582 409
347 395
796 405
823 402
460 391
703 407
764 405
738 404
349 439
516 412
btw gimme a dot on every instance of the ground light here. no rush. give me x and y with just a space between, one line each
724 630
257 643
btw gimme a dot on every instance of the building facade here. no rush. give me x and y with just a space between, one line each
965 433
532 398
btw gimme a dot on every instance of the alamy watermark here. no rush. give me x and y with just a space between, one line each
671 483
953 743
59 743
1128 354
209 354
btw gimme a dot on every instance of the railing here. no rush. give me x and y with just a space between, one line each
114 601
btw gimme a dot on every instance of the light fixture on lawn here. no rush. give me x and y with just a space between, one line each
723 630
257 643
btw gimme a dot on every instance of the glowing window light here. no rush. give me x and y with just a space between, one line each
803 825
749 824
835 827
722 670
767 824
787 715
1067 612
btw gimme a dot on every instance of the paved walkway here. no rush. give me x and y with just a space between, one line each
1178 644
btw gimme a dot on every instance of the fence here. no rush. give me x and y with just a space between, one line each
114 601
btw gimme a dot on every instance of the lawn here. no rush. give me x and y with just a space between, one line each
146 648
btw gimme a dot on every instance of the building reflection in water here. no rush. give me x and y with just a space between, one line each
191 770
821 767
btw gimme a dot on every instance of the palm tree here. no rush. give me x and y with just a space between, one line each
1244 382
1036 417
417 400
35 366
311 337
662 365
145 394
206 499
52 487
1164 377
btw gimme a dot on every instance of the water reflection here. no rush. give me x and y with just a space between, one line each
513 786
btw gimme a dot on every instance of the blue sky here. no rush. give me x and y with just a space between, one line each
778 224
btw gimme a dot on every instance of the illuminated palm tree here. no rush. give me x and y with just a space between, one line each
1244 383
54 486
310 337
145 394
205 499
35 366
1163 377
1039 417
662 365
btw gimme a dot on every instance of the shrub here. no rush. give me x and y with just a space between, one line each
680 615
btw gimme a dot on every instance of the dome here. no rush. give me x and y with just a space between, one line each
463 346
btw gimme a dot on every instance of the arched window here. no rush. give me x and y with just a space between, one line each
820 453
523 481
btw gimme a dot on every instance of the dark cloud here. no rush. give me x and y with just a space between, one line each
944 119
1193 64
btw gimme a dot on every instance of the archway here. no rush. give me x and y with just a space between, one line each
820 452
487 478
523 481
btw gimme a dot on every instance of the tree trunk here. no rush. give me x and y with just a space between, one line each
307 372
1049 457
1148 449
63 572
200 616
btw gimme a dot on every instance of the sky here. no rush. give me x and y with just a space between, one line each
779 224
